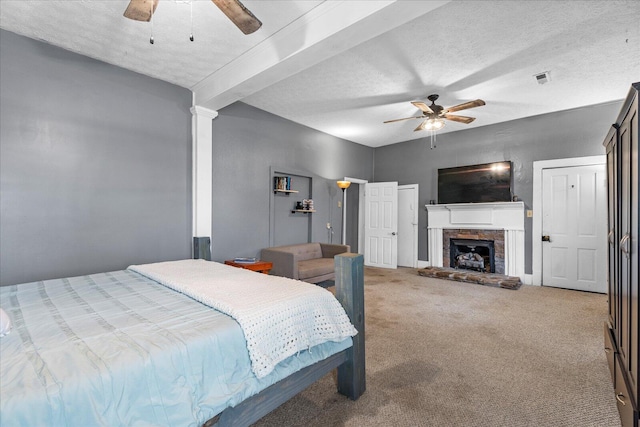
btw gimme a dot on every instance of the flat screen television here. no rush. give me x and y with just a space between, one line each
489 182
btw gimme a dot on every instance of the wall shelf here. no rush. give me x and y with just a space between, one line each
287 192
303 211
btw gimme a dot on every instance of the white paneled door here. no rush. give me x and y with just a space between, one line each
381 224
574 228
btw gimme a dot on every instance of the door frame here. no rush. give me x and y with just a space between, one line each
414 236
361 183
538 166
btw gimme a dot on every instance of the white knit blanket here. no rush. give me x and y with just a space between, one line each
279 316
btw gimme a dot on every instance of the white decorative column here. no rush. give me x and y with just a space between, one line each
435 246
514 253
202 165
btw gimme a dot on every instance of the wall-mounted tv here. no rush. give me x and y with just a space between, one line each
489 182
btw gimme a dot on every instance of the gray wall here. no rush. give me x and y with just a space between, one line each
95 165
247 144
573 133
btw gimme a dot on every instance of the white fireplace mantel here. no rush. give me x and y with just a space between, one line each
507 216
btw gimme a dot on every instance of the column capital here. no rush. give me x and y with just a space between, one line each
199 111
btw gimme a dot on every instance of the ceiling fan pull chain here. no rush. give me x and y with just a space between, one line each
191 36
151 39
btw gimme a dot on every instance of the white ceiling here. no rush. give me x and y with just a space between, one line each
344 67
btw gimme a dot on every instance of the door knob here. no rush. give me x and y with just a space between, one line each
393 233
546 238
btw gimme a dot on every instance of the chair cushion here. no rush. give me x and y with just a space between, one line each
315 267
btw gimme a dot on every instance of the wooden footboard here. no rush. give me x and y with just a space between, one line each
350 362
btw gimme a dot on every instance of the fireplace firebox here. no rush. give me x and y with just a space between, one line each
473 254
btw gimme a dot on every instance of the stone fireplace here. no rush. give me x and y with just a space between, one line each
493 231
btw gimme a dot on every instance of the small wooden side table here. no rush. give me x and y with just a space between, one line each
259 266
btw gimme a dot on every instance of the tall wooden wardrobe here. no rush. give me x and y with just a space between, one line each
622 331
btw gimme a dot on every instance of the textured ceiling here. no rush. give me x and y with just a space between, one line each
96 28
343 67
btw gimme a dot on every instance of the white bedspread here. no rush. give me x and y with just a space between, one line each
279 316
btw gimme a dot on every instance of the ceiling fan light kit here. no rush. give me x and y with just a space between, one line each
433 124
433 115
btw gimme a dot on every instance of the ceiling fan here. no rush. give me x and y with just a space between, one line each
142 10
433 114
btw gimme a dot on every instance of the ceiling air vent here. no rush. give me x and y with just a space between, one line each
542 78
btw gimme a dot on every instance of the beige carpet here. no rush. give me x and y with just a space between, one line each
443 353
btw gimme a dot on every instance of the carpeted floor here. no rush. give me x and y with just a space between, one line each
443 353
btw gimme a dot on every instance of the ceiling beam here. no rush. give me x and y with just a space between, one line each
327 30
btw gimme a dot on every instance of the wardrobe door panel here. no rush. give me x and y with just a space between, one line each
613 222
625 224
631 123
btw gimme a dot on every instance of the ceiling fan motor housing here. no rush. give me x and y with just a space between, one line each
437 109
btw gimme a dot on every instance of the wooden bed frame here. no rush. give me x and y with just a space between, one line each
350 362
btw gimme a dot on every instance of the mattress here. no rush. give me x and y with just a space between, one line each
120 349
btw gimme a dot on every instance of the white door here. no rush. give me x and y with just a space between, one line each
574 228
408 225
381 224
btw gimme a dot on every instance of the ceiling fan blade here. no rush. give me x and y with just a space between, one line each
239 15
141 10
460 119
470 104
424 107
406 118
420 126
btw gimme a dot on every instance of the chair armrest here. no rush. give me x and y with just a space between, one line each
331 250
285 263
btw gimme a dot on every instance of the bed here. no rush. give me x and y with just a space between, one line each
145 347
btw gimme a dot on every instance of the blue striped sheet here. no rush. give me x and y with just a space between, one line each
119 349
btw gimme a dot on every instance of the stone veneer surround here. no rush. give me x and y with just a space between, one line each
473 219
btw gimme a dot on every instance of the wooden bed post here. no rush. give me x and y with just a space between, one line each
350 292
202 248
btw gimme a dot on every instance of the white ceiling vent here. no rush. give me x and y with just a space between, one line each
543 77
